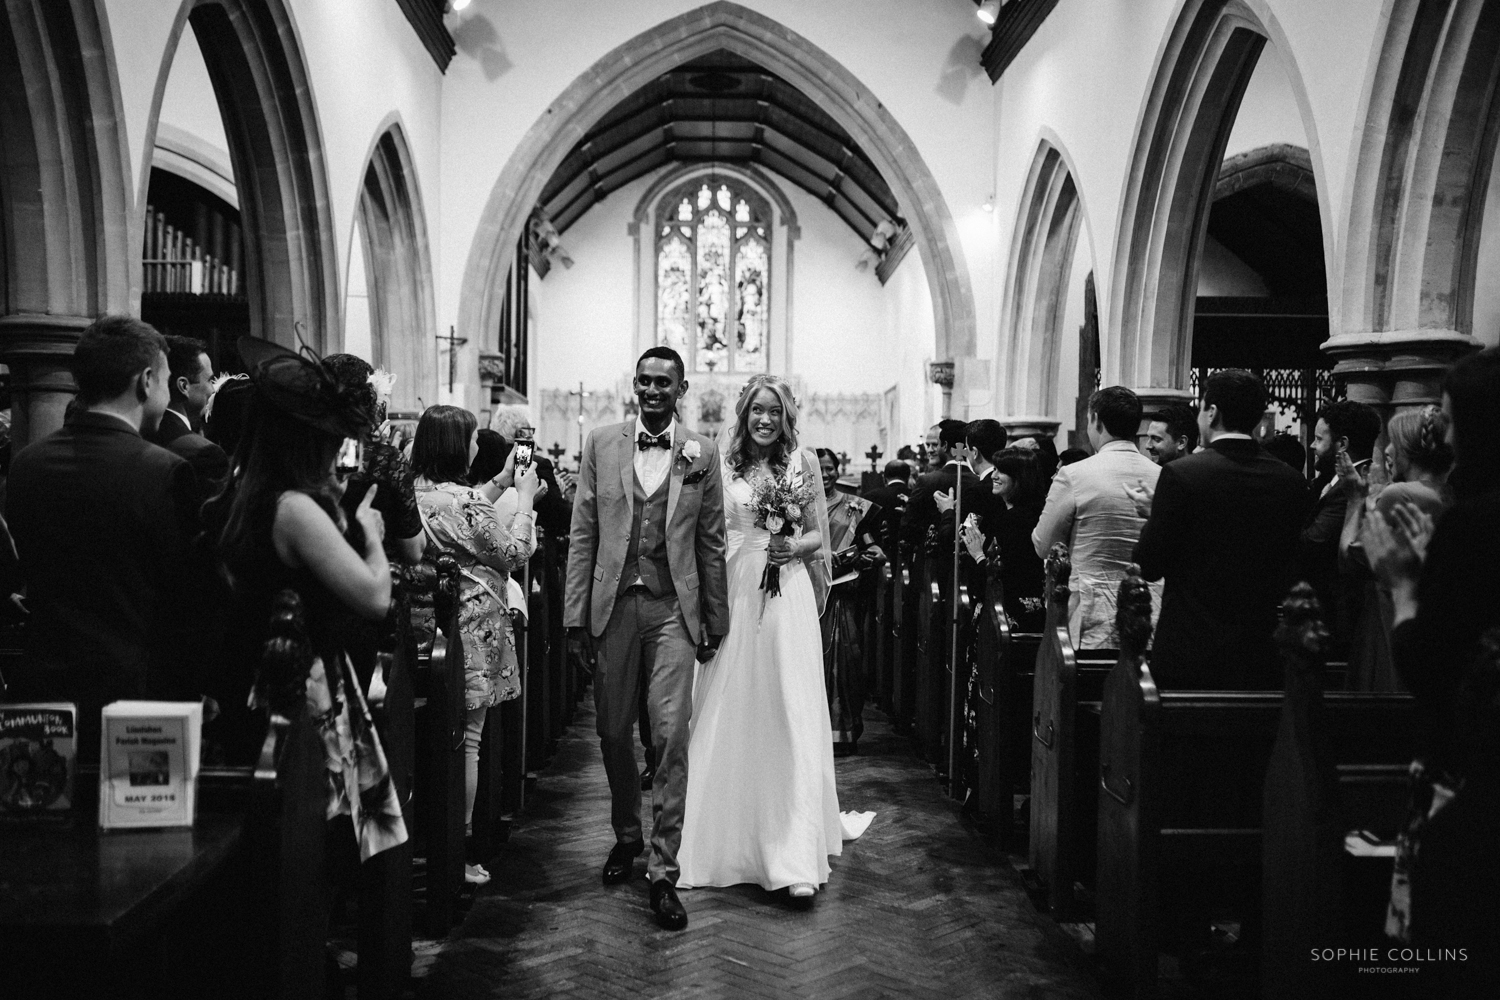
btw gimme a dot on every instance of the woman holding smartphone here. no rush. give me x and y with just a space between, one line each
461 520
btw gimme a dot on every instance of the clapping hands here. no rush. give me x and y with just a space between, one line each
944 500
1396 544
973 540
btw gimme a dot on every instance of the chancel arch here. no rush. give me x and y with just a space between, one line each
390 237
270 123
737 30
1418 250
64 251
1189 113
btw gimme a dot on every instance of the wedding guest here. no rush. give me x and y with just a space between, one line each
462 521
278 525
1446 599
1071 455
1417 458
843 652
1171 433
922 510
179 431
1088 510
226 411
984 439
1222 531
101 520
382 465
932 445
890 500
1343 427
1018 486
1288 449
554 511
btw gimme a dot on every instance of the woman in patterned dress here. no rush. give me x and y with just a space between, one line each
461 520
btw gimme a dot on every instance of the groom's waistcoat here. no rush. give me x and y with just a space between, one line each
646 556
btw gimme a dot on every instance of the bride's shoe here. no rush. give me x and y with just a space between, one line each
802 890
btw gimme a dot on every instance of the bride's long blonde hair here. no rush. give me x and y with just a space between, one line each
741 453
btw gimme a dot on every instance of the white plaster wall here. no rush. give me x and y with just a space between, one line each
189 103
1487 272
1058 88
1268 113
919 59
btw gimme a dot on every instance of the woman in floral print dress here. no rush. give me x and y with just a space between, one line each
462 522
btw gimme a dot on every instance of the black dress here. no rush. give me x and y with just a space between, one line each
1021 571
1455 876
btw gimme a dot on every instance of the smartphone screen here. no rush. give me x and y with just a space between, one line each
524 451
351 457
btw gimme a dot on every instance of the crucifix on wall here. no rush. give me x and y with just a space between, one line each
454 343
874 455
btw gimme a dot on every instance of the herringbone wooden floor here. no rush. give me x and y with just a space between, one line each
918 907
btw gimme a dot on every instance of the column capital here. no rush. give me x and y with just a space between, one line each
1019 427
35 336
38 349
1154 398
1397 369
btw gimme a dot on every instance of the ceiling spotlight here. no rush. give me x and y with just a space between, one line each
988 11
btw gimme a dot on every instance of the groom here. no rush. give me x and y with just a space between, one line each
646 595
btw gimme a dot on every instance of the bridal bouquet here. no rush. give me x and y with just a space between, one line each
778 504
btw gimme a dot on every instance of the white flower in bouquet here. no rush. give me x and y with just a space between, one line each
774 523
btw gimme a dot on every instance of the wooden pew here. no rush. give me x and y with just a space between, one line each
440 750
931 667
1181 786
1063 748
1316 792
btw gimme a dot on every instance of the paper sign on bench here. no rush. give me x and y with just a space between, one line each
148 767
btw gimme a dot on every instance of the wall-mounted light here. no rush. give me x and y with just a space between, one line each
989 203
988 11
458 5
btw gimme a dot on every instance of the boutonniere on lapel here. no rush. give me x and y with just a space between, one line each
690 451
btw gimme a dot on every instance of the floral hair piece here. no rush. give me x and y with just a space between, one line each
214 385
382 382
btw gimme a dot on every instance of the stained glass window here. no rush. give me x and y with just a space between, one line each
713 277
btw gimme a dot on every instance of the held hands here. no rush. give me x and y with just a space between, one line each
1141 495
370 519
708 647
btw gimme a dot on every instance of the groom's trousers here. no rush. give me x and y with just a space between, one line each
646 641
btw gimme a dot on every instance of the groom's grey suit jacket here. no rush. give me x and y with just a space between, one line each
603 512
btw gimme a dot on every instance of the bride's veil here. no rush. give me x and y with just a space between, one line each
820 565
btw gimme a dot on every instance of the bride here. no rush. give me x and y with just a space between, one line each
761 805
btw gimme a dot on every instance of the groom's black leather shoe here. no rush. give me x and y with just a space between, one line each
670 915
621 862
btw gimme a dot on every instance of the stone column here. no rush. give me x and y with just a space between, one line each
38 349
1397 370
1039 427
941 373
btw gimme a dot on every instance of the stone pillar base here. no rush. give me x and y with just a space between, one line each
1397 370
38 349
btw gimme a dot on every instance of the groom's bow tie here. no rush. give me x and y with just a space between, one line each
646 441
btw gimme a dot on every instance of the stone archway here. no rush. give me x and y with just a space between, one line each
398 269
64 198
1417 201
1190 109
276 151
728 26
1048 225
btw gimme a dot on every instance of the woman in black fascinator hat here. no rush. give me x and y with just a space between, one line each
278 526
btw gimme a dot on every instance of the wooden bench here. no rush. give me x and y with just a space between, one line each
1063 749
1181 785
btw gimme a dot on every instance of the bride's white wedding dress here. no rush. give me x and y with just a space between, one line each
761 804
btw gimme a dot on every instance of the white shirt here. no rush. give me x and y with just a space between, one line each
653 464
186 422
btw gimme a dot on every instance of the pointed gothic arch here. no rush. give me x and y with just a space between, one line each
728 26
1200 78
1049 222
276 150
392 236
1417 200
64 198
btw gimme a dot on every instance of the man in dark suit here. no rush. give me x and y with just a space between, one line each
922 511
889 500
191 371
1344 427
984 439
101 519
1222 529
